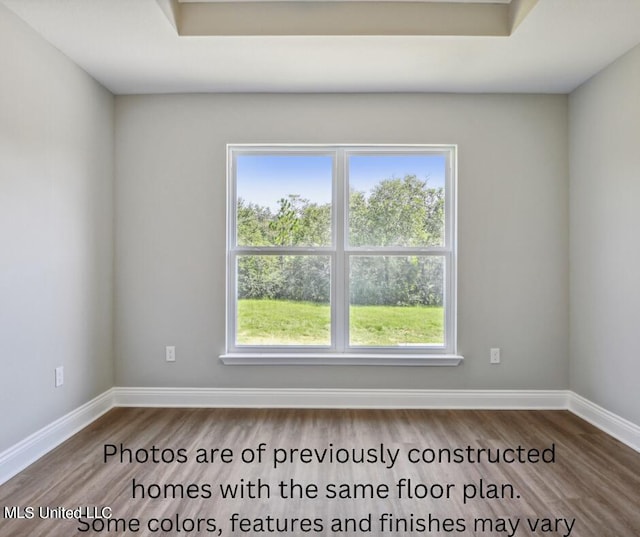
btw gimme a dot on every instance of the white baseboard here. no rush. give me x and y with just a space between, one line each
29 450
627 432
22 454
340 398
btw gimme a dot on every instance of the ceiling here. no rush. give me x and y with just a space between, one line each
132 47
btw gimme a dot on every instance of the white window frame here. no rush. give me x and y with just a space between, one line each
340 352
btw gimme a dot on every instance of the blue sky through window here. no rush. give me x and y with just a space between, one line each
264 179
366 171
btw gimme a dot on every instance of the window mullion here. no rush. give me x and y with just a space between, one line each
339 278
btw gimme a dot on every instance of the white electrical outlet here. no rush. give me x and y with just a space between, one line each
171 354
59 376
494 356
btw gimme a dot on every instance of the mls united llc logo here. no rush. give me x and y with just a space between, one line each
65 513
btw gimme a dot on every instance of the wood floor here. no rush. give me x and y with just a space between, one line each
591 489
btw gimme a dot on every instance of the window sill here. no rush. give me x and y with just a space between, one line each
341 359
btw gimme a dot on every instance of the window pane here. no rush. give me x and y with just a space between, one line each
284 200
283 300
396 300
396 200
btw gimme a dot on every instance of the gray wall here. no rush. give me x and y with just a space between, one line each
56 233
605 246
513 231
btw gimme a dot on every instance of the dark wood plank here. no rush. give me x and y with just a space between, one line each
595 479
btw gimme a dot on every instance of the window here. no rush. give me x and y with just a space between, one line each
341 254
